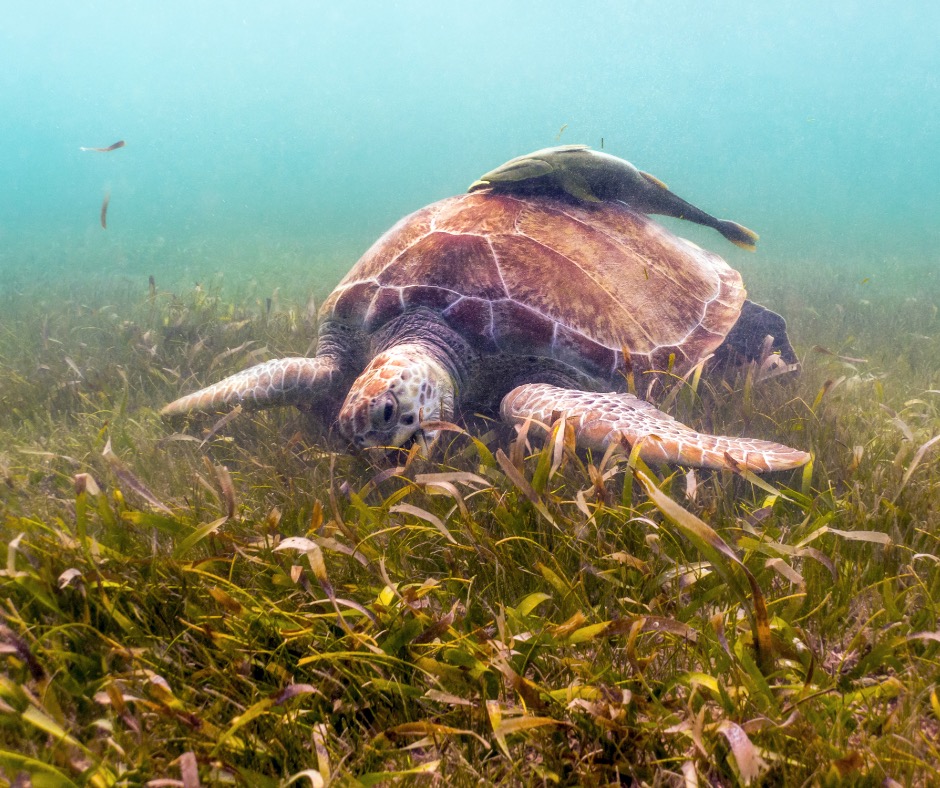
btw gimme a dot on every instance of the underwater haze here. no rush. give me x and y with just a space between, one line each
278 141
240 598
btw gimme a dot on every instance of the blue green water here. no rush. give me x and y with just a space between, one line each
279 140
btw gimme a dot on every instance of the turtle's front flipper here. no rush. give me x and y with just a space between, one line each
283 381
601 418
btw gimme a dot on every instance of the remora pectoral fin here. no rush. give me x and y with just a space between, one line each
576 185
516 170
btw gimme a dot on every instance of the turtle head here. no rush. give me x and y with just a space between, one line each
399 390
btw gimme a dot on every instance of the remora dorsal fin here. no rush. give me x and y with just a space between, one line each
654 180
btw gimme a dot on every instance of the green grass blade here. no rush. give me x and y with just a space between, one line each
725 562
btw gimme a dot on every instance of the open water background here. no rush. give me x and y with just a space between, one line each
276 141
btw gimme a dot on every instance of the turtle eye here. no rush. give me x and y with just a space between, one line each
385 411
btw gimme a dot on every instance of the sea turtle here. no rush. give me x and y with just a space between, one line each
593 176
529 306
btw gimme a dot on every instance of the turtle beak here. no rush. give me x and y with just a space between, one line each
476 185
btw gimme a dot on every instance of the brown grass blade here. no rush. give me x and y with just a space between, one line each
914 463
221 424
747 758
423 514
130 481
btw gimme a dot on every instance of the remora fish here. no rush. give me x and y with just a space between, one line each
591 176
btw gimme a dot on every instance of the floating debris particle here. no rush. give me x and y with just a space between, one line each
104 210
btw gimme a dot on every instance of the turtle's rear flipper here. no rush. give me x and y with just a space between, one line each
598 419
747 340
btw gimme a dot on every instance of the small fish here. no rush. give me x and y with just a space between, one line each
104 210
115 146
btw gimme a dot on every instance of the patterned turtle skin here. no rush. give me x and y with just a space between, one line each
531 306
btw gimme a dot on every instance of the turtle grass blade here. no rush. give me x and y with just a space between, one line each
754 479
913 466
425 728
257 710
393 777
750 764
724 560
127 478
423 514
197 536
41 773
484 454
221 424
521 484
